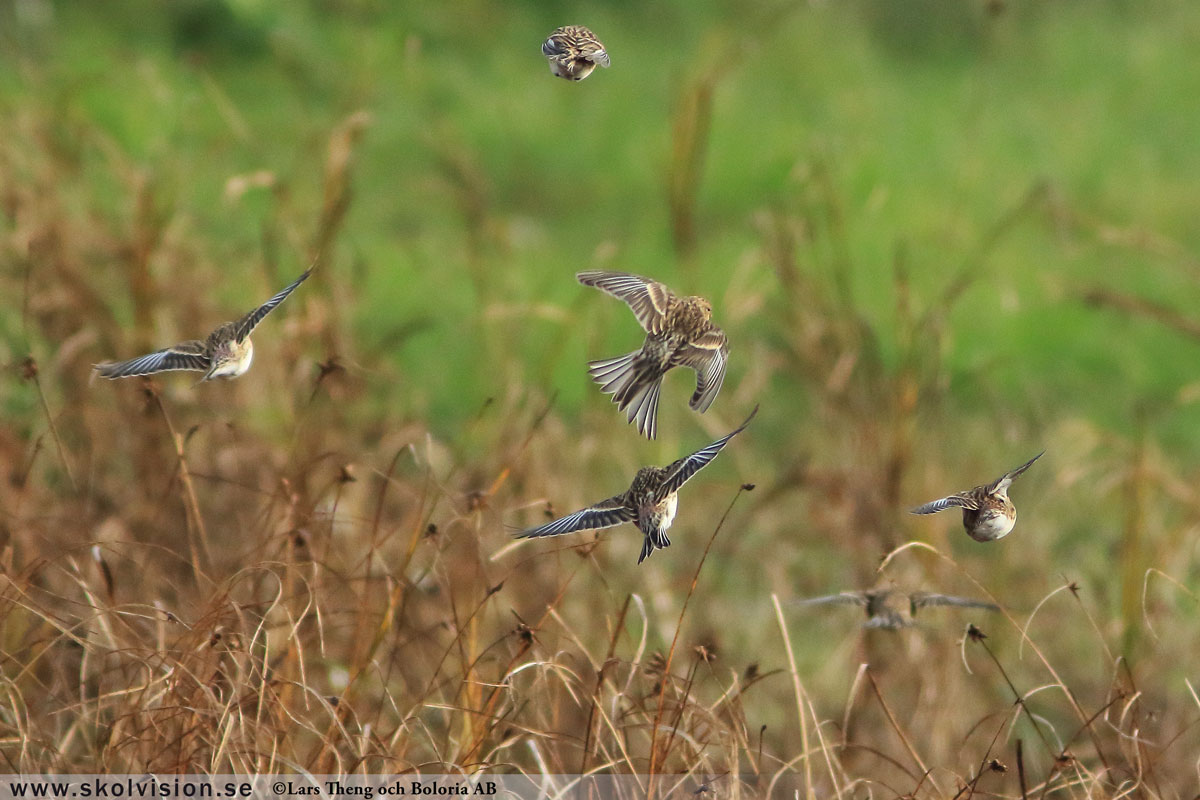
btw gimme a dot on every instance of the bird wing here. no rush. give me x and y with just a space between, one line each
708 355
249 322
574 41
923 599
593 51
553 46
188 355
854 598
604 514
648 299
1005 480
682 470
953 501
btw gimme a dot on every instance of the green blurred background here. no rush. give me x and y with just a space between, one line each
480 184
942 236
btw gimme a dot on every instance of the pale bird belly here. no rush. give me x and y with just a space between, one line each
572 70
667 509
992 525
661 516
237 364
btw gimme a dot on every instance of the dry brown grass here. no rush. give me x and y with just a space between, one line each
275 575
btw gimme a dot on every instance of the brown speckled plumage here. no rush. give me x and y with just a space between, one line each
226 353
987 512
650 502
679 333
574 52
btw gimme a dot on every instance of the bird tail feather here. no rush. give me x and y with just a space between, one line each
634 383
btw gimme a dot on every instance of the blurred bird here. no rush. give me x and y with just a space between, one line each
679 332
226 353
650 502
987 512
893 610
573 52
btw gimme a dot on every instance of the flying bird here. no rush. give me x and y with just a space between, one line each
650 502
987 512
893 610
679 333
573 52
226 353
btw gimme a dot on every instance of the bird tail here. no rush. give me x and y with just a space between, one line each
634 382
655 540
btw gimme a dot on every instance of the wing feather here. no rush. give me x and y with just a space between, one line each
1005 480
953 501
923 599
682 470
188 355
708 356
249 322
604 514
852 598
648 299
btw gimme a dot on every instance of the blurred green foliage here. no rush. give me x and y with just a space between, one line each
482 183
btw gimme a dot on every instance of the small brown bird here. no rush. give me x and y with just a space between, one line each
893 610
987 512
679 333
573 52
650 502
226 353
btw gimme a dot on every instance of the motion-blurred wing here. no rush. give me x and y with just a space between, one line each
249 322
604 514
842 598
682 470
183 356
923 599
648 299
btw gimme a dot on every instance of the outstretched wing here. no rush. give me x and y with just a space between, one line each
249 322
923 599
188 355
851 598
1005 480
648 299
604 514
679 472
707 355
953 501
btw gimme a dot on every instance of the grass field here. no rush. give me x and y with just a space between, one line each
942 235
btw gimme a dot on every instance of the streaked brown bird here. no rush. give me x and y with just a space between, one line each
650 502
226 353
987 512
679 333
573 52
893 610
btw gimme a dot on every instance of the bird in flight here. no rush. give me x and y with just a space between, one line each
679 333
650 502
893 610
573 52
987 512
226 353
